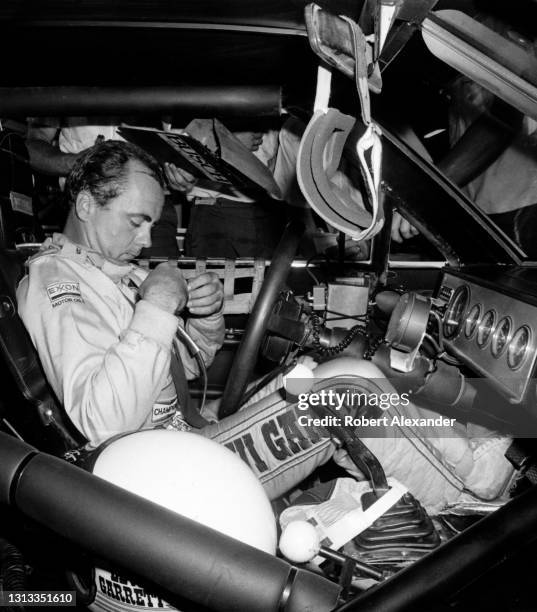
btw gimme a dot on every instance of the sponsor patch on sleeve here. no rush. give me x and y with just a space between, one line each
63 292
163 411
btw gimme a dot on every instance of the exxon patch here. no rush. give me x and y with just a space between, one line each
63 292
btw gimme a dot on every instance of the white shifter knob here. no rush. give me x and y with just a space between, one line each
300 542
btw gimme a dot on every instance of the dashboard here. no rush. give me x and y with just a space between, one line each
489 323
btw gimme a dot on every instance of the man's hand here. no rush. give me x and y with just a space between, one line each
402 229
165 287
251 140
205 294
354 250
178 179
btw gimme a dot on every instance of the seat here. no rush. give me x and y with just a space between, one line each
30 409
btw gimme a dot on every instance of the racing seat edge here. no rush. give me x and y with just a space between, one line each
46 423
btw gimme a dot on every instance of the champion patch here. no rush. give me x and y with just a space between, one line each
63 292
162 412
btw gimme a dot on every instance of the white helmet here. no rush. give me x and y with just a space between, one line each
193 476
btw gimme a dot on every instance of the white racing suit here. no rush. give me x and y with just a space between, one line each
107 358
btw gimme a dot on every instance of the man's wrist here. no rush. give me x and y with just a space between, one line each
168 305
154 322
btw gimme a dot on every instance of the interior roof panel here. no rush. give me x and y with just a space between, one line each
126 56
276 13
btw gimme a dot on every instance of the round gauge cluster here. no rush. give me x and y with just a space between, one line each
490 330
454 317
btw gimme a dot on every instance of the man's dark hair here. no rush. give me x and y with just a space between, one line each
103 171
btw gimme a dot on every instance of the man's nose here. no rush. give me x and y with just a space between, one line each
144 237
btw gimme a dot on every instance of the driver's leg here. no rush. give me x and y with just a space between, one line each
275 438
436 463
267 435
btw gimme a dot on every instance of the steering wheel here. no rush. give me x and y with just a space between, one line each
243 364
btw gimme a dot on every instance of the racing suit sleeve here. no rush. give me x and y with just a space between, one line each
105 364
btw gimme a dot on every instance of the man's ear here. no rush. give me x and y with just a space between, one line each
85 205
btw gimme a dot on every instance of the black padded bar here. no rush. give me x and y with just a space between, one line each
180 555
198 100
13 455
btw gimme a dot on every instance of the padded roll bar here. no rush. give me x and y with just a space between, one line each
198 100
187 559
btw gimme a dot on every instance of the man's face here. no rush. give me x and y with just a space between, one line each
122 228
251 140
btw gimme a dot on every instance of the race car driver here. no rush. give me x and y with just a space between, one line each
104 329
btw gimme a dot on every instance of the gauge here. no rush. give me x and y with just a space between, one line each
484 330
472 319
408 322
501 336
518 348
454 317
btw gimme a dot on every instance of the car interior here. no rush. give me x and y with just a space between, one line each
447 313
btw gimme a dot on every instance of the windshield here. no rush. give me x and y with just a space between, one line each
504 185
469 109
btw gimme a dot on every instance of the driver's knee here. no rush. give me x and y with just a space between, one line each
348 367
